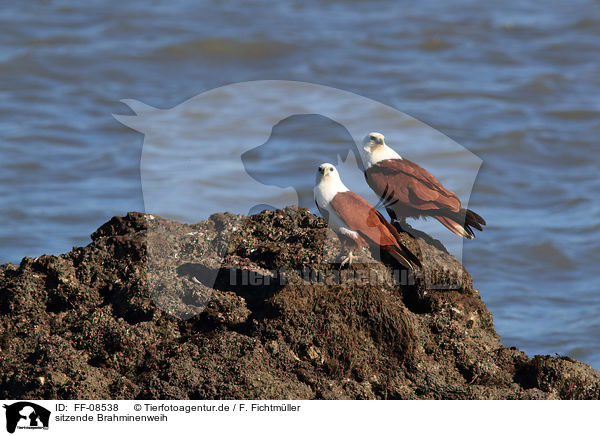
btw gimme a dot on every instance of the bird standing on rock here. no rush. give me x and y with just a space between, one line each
409 191
356 222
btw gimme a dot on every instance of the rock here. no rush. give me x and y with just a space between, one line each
249 307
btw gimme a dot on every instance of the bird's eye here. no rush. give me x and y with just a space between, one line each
372 138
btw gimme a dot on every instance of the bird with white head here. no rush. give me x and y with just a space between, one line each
356 222
408 190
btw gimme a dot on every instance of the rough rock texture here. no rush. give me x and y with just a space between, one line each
150 309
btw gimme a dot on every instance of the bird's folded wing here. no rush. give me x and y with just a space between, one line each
363 218
408 183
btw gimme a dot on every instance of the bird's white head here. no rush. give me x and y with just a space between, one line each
377 150
328 179
373 140
327 173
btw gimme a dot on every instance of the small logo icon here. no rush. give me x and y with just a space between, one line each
26 415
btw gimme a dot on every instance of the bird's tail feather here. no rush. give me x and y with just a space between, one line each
472 219
461 222
404 257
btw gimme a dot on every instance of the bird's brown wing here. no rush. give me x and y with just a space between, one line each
362 217
405 182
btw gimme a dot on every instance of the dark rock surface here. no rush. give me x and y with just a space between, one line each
150 309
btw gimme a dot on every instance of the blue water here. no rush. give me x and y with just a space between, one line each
517 83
